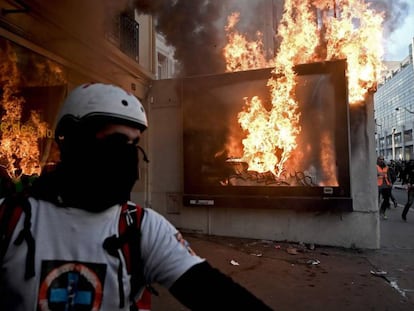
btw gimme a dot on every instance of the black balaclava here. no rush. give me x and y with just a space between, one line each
95 174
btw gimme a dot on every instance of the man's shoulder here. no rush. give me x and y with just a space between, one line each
149 214
152 215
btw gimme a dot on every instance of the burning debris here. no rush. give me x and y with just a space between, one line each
244 177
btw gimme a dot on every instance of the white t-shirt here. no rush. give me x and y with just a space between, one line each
72 267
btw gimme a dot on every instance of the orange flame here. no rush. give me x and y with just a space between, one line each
19 150
310 30
353 32
328 162
240 53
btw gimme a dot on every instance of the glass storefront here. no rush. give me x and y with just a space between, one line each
31 90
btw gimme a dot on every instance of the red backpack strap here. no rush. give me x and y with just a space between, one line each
130 226
128 242
144 303
131 218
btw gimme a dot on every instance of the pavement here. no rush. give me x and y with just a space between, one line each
292 276
398 185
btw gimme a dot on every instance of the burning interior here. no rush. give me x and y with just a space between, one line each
222 167
31 88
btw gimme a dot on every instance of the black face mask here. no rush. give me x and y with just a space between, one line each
99 173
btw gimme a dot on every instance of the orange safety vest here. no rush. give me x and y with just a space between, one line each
382 176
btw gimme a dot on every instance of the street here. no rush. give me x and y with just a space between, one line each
400 195
319 278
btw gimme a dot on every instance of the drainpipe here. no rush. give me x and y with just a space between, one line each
403 142
393 143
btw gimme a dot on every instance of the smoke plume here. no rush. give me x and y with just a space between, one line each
189 26
195 28
394 13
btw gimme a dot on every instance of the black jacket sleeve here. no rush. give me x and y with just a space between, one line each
203 287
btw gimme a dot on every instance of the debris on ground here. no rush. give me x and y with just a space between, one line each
292 250
378 273
313 262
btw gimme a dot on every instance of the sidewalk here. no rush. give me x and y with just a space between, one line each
290 276
398 185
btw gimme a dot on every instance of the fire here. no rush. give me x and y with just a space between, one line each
310 30
328 163
240 53
19 150
353 31
259 146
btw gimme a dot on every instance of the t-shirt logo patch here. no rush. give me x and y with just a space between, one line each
184 243
71 286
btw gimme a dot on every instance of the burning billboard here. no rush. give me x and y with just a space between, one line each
282 132
223 112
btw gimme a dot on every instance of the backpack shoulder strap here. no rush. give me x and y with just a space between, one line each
133 215
129 243
10 213
130 226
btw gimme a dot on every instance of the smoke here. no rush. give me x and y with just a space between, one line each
395 12
189 26
195 28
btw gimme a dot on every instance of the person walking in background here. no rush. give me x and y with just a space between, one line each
384 185
392 167
408 181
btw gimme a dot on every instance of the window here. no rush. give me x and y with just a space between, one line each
28 108
124 33
397 138
129 34
162 66
388 140
408 135
409 152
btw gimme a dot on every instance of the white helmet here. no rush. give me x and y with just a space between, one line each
101 101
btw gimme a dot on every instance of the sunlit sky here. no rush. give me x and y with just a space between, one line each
396 45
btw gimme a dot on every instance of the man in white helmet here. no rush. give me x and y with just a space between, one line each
72 219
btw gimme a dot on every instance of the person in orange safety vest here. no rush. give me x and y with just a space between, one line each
384 185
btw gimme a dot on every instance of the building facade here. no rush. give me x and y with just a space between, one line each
165 58
48 49
394 111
